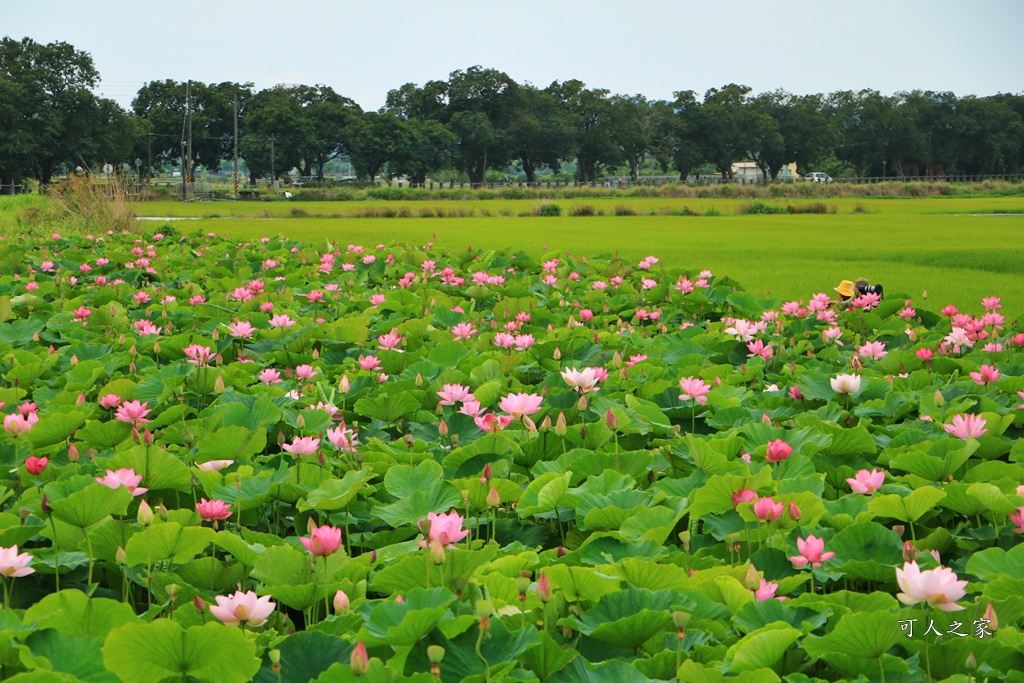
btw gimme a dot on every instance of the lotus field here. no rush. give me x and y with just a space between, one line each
277 461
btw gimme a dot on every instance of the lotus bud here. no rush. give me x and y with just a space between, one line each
74 360
560 428
161 510
341 602
52 350
44 504
72 451
147 437
794 512
316 354
487 474
545 424
718 381
581 405
218 385
610 420
442 428
544 592
300 421
971 664
557 355
419 380
360 660
344 385
560 552
530 425
156 348
35 338
910 553
80 401
753 578
437 555
990 615
899 529
940 400
145 515
215 334
320 458
120 340
135 434
493 497
131 367
122 558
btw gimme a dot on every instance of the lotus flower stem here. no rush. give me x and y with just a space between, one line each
56 554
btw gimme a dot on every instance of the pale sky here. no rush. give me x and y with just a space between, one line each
652 47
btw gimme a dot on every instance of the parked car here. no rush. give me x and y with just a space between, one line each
818 178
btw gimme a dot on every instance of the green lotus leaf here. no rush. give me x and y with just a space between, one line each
143 653
860 634
71 613
167 542
762 648
993 562
336 494
304 656
231 443
401 624
906 509
629 618
91 505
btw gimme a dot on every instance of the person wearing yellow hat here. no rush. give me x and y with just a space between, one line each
847 289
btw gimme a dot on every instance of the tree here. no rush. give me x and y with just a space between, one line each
163 105
51 119
677 142
593 118
481 106
422 147
634 124
372 143
541 132
725 126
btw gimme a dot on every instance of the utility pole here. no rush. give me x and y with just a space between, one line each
149 158
272 163
236 145
188 111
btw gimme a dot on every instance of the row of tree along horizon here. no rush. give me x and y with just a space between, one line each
479 119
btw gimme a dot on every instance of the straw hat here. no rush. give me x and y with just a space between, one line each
845 288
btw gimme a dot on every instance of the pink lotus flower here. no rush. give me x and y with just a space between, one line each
213 509
991 303
454 393
377 299
758 348
302 445
489 422
867 482
694 389
198 355
523 341
305 372
845 384
282 320
580 380
766 591
133 412
949 311
937 587
146 328
214 465
967 426
504 340
81 314
463 331
391 340
778 450
269 376
123 477
518 405
13 564
986 375
873 350
445 529
244 608
110 401
34 465
811 552
343 439
743 496
925 354
369 362
633 360
323 540
17 424
241 329
1018 520
767 510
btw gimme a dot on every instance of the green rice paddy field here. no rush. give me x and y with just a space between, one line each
955 249
934 250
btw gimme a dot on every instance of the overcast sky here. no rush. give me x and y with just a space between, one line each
652 47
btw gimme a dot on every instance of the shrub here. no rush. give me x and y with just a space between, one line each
549 209
583 210
623 210
761 207
813 207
